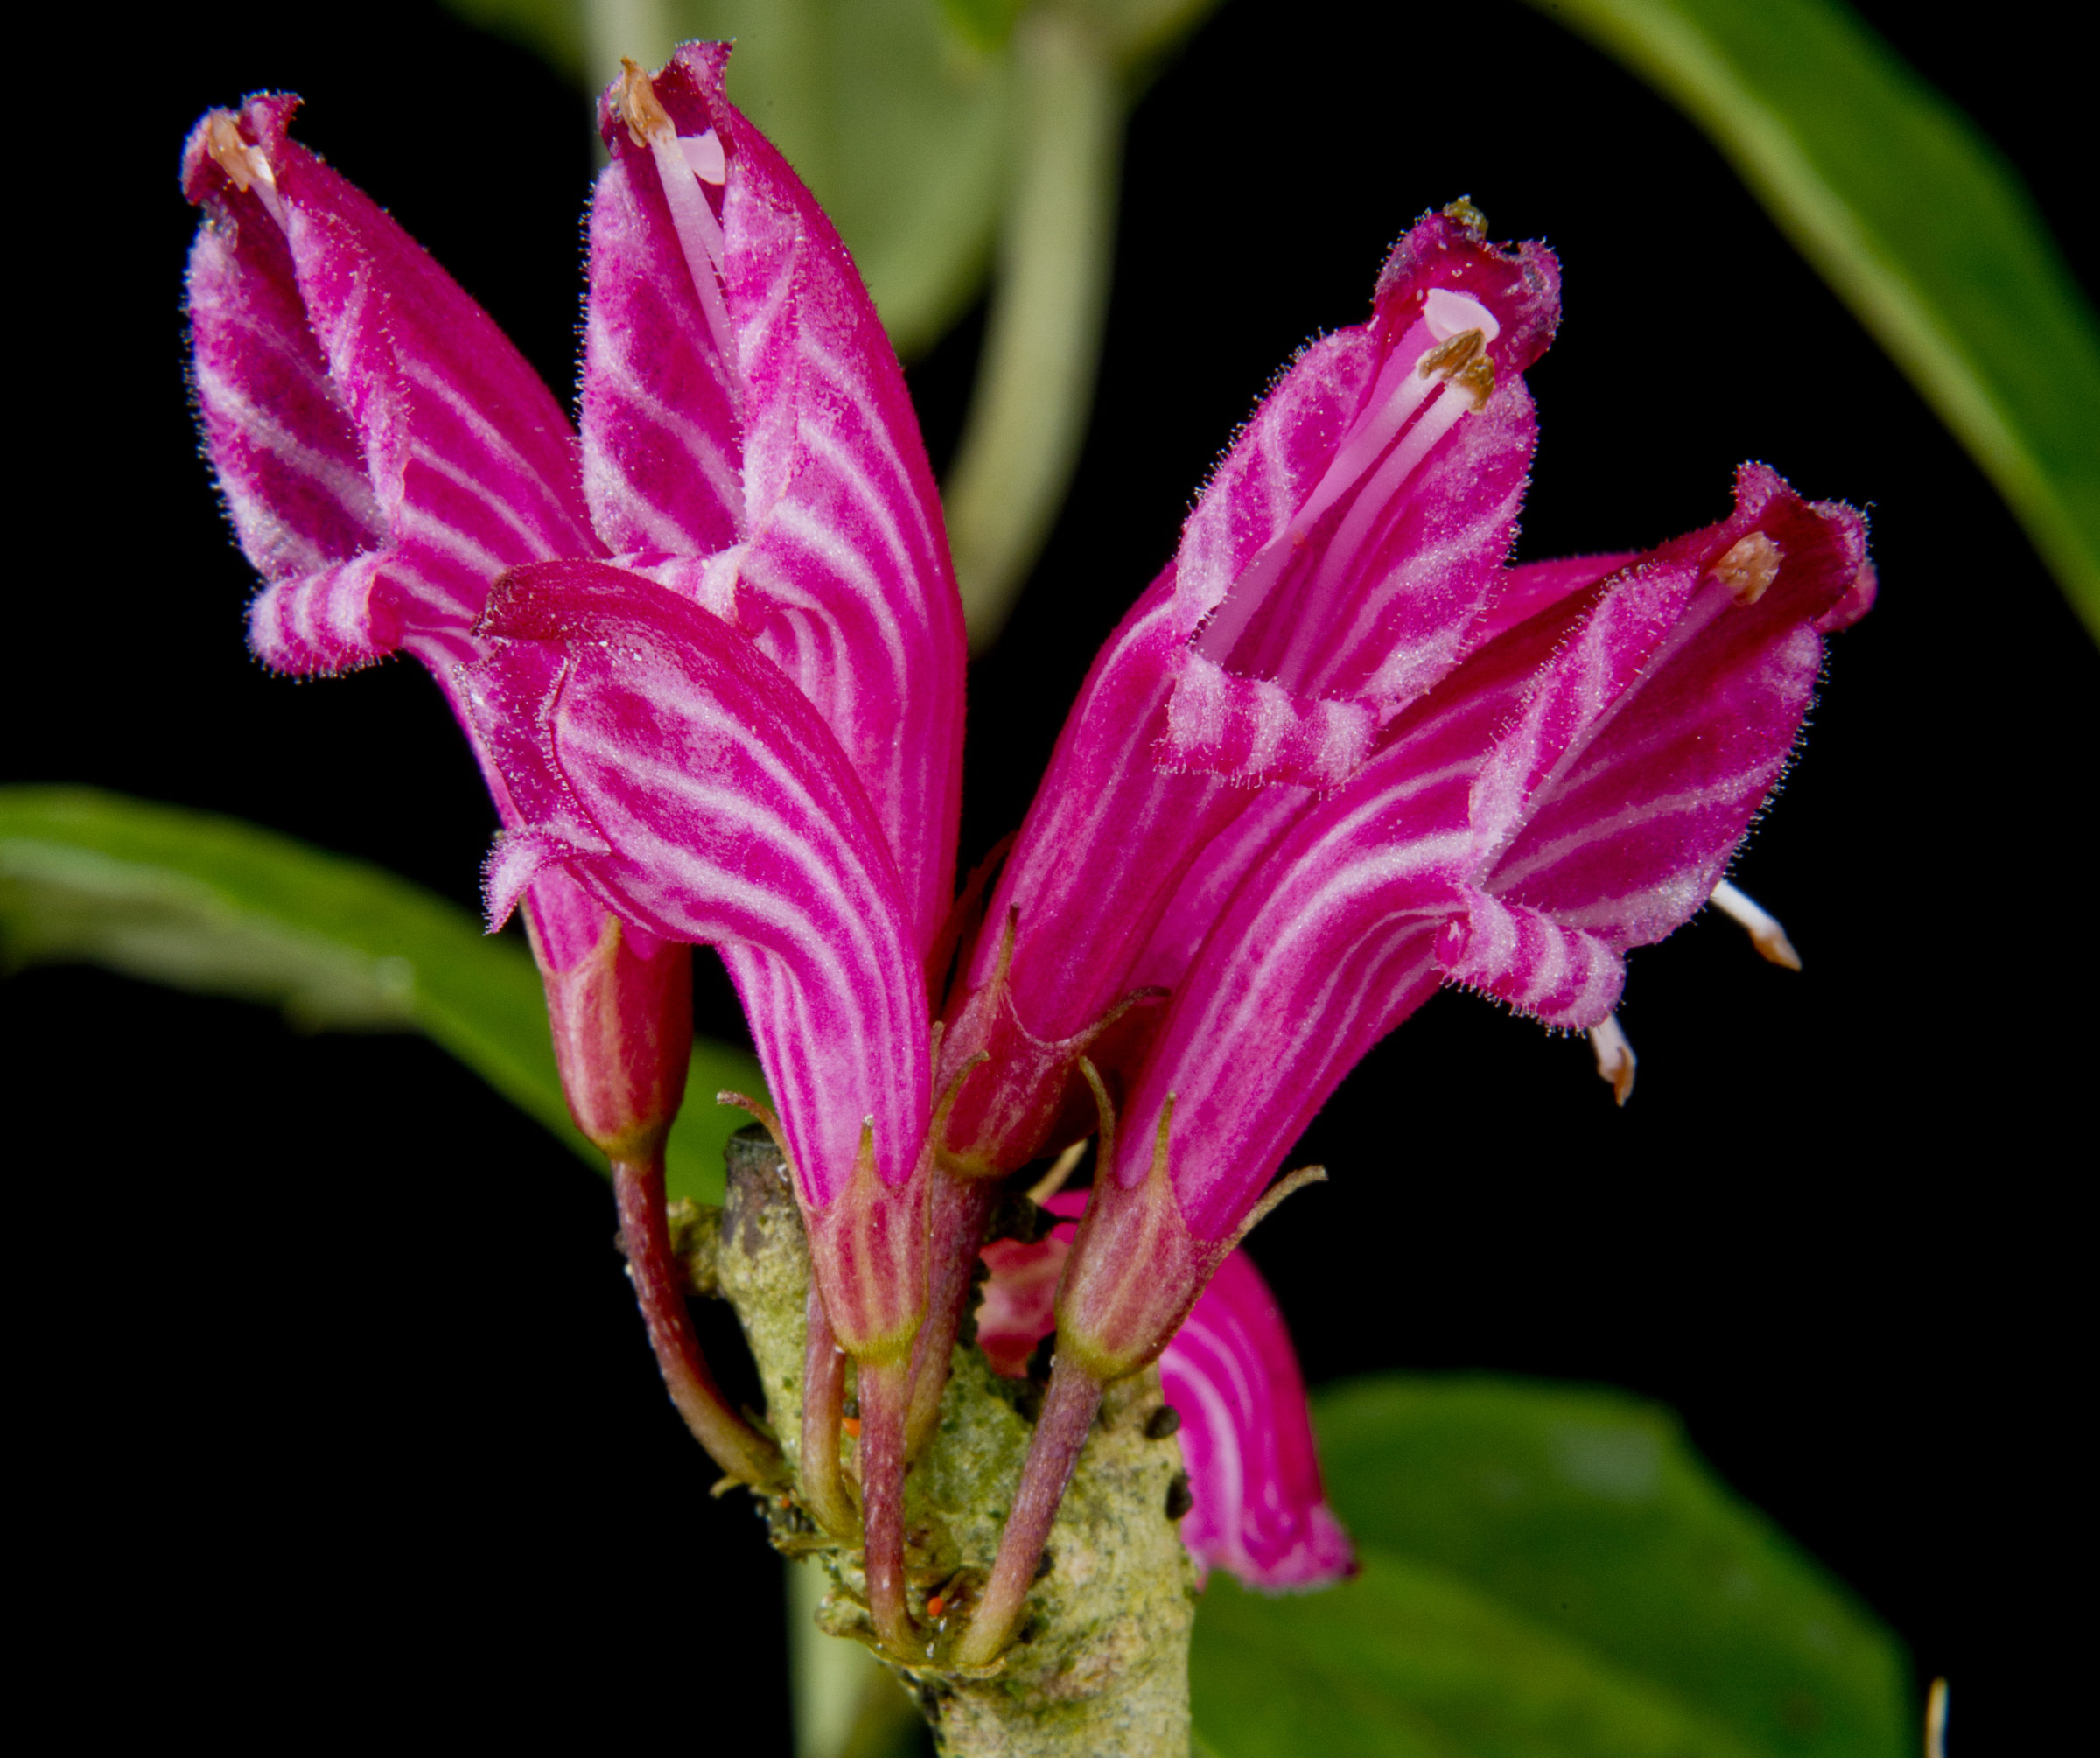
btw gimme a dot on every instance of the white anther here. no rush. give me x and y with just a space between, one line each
1448 312
1766 933
703 153
1615 1057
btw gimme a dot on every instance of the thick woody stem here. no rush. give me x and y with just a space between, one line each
960 1208
882 1392
823 1401
660 1287
1068 1409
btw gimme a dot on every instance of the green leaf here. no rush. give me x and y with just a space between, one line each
1916 221
222 907
1549 1572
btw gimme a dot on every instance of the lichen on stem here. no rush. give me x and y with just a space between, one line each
1099 1664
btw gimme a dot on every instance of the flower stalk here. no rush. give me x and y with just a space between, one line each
660 1289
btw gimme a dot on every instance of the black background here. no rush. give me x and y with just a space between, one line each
331 1407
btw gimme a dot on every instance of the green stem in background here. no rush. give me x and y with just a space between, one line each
847 1704
637 29
1035 382
1915 221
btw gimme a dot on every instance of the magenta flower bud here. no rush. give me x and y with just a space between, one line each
1328 577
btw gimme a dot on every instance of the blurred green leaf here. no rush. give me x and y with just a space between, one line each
930 129
222 907
896 120
1546 1571
1042 337
1917 222
898 126
555 29
983 24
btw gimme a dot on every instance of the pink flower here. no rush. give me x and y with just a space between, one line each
748 440
1576 788
788 792
1329 575
747 734
712 662
1256 1506
384 454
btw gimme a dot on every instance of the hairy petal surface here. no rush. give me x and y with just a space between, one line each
1359 524
1645 805
1574 788
802 449
677 774
1106 823
384 451
663 462
1259 1511
1330 575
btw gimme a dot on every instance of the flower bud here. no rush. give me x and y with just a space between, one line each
621 1002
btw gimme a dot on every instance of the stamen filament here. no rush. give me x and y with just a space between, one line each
699 233
246 167
1435 352
700 236
1400 391
1060 1172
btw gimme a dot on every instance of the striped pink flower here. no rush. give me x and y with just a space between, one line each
709 655
1574 790
1573 787
751 460
748 440
748 447
1328 577
385 454
384 451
